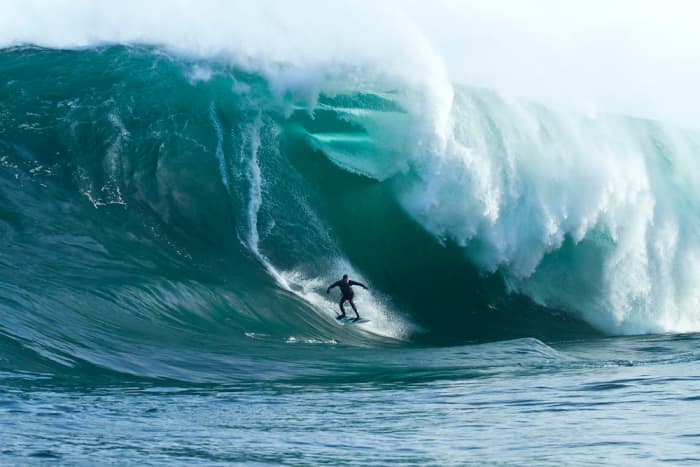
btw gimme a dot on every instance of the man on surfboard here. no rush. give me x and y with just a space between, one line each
345 285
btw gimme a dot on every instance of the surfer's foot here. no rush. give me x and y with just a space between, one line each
356 318
340 317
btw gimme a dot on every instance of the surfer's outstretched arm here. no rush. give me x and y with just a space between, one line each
358 283
334 284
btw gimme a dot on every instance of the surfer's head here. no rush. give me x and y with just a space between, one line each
345 277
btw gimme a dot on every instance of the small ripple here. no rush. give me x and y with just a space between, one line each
605 386
46 453
654 349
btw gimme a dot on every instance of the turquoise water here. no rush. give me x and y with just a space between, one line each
170 224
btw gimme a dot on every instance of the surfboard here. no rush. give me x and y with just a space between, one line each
348 320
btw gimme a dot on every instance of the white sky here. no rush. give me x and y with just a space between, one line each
640 57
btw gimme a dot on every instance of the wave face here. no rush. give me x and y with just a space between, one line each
189 209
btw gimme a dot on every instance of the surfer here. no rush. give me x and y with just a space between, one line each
345 285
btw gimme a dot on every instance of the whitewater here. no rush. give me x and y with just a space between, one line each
515 182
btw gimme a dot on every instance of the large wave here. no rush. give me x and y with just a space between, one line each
208 189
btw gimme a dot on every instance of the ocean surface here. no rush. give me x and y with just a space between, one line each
170 219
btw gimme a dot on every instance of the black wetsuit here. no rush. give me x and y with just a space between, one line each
348 294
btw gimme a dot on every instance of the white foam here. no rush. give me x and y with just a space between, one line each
518 181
